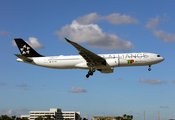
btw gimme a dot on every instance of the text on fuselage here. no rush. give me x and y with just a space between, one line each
126 56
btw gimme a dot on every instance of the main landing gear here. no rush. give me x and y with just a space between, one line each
90 72
149 69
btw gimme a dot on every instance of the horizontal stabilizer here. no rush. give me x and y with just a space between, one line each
24 58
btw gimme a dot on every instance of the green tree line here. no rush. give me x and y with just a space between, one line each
52 117
124 117
6 117
46 117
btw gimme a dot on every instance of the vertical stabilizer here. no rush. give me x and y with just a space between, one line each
25 49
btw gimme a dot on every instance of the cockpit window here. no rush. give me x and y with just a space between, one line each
158 55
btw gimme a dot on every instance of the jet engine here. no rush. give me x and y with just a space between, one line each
109 70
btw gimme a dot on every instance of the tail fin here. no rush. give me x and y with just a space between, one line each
25 49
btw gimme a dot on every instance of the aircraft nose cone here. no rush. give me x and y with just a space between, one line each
163 59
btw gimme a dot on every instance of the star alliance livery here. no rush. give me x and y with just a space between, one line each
104 63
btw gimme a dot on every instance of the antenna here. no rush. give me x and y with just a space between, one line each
144 115
87 116
158 115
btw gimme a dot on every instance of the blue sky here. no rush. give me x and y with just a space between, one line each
131 26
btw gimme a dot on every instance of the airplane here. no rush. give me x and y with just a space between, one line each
105 63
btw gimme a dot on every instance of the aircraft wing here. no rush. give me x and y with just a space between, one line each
23 58
90 57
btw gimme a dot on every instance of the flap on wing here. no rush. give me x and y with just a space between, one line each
24 58
89 56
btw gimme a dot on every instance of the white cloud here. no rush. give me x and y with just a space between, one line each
4 33
152 81
33 42
119 78
11 112
8 112
22 109
152 23
23 85
118 19
89 18
173 81
114 18
3 83
164 107
77 90
83 32
164 36
165 17
13 43
93 35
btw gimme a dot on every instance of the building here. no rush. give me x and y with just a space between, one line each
54 112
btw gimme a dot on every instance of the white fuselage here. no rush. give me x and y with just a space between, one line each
113 60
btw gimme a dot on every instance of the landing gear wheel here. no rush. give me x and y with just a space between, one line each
87 75
91 73
149 69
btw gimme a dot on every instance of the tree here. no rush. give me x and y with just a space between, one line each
5 117
85 119
48 117
124 116
117 118
24 118
18 118
128 117
102 119
39 118
13 117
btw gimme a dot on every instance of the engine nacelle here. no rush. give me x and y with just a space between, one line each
112 62
110 70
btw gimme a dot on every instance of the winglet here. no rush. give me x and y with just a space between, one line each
67 40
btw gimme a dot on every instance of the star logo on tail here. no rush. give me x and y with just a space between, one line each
25 50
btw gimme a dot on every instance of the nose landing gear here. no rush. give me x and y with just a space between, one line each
149 69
